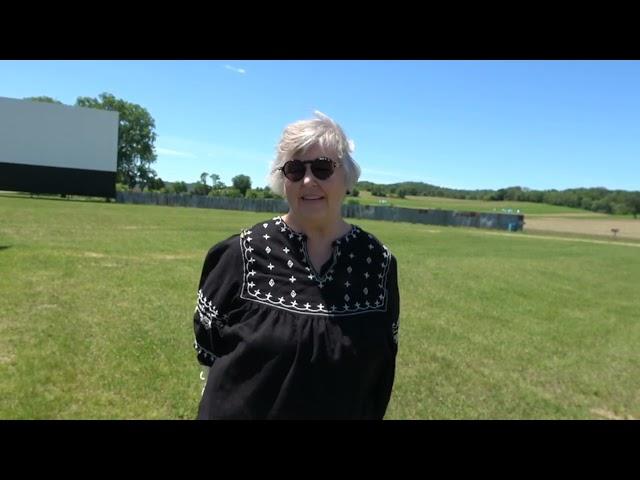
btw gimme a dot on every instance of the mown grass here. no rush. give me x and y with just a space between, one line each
96 302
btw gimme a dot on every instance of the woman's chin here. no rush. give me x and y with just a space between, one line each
312 205
312 208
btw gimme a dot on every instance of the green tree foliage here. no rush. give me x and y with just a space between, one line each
43 99
633 204
268 193
241 183
179 187
379 191
156 184
136 137
231 192
216 184
595 199
201 187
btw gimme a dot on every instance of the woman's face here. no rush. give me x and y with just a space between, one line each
313 199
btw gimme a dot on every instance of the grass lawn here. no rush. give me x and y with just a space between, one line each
96 302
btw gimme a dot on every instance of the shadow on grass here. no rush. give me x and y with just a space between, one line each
4 247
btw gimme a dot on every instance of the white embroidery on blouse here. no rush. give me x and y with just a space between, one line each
258 271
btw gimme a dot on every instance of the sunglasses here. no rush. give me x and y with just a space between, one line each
322 168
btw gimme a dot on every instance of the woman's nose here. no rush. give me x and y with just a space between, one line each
308 176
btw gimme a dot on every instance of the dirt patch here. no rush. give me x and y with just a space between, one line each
93 255
569 215
601 227
601 412
6 359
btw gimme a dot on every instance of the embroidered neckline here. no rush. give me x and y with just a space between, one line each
320 280
298 253
301 235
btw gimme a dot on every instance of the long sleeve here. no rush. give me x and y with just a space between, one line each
382 392
219 285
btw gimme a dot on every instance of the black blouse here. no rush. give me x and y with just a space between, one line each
287 342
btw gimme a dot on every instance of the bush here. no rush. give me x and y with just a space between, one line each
231 192
201 189
353 201
179 187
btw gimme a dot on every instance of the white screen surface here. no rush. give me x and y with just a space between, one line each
52 135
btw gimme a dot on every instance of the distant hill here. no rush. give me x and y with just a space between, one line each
598 199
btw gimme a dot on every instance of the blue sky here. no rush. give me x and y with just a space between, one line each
458 124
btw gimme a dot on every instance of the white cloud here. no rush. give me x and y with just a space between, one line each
352 145
174 153
241 71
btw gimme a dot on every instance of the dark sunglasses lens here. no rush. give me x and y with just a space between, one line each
294 170
322 168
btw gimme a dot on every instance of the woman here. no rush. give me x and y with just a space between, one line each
297 316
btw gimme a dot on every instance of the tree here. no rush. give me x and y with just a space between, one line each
145 175
231 192
201 187
378 192
633 203
242 183
136 136
156 184
180 187
43 99
216 184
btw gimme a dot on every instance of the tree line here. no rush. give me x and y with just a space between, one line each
597 199
136 154
240 187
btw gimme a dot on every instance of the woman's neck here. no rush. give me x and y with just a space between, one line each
317 231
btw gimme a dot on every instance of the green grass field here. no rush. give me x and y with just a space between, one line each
96 302
526 208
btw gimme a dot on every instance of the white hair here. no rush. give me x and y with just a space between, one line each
299 136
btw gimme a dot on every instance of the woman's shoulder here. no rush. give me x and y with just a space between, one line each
231 244
367 240
224 246
265 225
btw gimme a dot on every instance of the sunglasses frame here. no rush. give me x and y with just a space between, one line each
333 163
